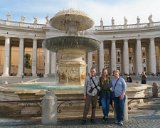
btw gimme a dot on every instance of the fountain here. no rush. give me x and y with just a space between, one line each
72 47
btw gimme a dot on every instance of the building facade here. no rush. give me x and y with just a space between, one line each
131 48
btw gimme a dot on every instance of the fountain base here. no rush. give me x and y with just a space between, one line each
72 67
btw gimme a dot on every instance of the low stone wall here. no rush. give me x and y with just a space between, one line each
66 109
137 90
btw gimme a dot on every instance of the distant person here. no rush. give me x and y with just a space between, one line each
119 88
22 75
143 78
90 95
104 84
129 79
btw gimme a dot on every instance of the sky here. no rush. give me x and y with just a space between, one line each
96 9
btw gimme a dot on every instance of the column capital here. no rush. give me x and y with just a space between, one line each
113 41
35 38
152 38
138 38
21 37
7 37
126 40
101 41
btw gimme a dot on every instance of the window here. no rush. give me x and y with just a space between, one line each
118 60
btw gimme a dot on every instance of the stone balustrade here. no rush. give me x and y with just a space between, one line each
128 26
20 24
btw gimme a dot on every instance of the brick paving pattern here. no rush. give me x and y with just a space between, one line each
146 116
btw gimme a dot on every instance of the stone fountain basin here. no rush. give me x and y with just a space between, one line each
64 17
68 42
12 92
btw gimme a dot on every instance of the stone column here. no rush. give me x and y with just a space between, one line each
53 63
34 58
49 108
113 56
125 57
101 57
21 58
6 66
126 109
47 63
152 56
89 63
138 57
158 60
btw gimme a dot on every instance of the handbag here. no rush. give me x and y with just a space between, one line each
112 93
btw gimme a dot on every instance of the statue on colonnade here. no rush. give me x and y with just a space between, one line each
125 21
113 21
150 19
101 22
35 20
47 19
138 20
8 15
22 19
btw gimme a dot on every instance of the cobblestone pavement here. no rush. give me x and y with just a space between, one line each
146 116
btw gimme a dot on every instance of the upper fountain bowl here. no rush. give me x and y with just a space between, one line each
73 17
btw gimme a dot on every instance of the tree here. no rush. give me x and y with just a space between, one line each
27 58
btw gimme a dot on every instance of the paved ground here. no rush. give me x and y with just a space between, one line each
146 116
14 79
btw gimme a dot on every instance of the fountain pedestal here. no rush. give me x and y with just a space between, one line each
71 66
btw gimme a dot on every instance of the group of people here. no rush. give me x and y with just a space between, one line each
143 78
107 90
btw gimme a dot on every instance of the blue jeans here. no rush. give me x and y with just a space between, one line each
119 108
105 104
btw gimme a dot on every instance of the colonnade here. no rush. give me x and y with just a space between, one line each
51 59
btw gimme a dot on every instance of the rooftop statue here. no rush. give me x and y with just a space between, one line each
101 22
113 21
138 20
8 15
47 19
35 20
150 19
22 19
125 21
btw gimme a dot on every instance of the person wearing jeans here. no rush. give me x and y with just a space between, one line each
119 88
105 93
90 95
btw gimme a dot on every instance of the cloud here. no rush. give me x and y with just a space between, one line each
96 9
128 8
